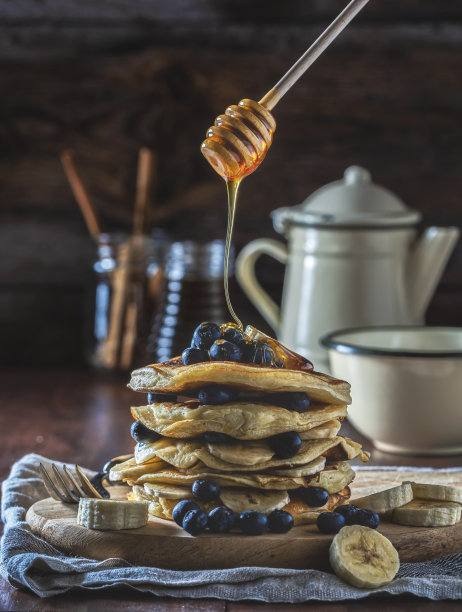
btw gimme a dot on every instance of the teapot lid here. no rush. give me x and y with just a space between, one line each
354 201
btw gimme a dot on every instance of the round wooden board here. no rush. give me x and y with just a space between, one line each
164 544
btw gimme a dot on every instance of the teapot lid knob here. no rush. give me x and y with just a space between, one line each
352 202
356 174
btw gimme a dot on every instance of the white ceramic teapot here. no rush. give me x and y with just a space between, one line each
353 259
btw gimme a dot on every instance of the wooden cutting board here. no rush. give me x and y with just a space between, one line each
164 544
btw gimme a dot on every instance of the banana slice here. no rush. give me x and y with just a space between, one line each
383 501
363 557
114 514
436 492
426 513
168 491
240 500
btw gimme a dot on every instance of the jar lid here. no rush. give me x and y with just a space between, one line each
354 201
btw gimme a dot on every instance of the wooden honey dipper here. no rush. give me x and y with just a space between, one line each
239 140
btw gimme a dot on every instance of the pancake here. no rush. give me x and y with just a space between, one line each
240 420
304 514
332 476
244 456
160 473
241 500
332 480
327 430
246 479
174 377
130 470
266 502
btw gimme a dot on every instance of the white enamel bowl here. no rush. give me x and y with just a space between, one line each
406 385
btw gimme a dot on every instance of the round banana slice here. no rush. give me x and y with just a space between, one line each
436 492
240 500
383 501
363 557
166 490
104 514
426 513
252 452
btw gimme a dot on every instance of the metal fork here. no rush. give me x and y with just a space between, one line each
64 487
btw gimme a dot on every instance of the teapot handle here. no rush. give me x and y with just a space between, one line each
245 274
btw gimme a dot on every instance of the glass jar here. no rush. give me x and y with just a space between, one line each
194 293
129 283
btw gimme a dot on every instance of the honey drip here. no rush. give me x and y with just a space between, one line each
235 146
284 357
232 188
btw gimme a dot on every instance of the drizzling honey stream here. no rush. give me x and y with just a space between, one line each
235 146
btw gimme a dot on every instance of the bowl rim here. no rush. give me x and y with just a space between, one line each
332 340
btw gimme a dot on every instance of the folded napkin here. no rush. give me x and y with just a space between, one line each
28 561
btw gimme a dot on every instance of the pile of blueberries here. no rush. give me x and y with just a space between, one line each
332 522
210 343
188 515
348 514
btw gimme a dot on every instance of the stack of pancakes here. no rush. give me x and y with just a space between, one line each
249 474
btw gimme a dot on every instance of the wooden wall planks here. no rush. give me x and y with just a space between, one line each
105 78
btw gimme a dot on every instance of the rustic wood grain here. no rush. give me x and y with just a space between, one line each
401 604
163 544
33 29
117 599
106 78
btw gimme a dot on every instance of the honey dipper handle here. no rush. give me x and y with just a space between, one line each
270 99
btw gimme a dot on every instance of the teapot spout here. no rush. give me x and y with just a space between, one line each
427 261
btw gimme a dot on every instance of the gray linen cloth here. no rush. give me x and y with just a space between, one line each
28 561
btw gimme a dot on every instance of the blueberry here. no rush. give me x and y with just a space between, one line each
180 510
297 401
221 519
161 397
330 522
222 350
205 489
252 353
314 496
234 335
268 357
194 355
213 437
141 433
213 395
285 445
97 482
366 518
280 521
348 512
252 522
195 521
259 353
205 335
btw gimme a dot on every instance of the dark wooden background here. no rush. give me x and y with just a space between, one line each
106 77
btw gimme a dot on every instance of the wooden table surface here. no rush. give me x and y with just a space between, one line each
82 417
